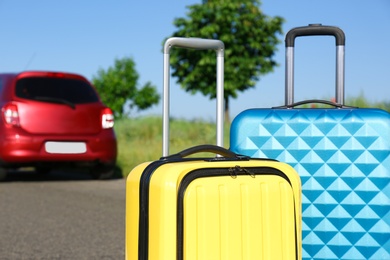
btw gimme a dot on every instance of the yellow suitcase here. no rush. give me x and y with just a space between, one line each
229 207
224 207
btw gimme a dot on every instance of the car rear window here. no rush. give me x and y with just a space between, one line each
71 90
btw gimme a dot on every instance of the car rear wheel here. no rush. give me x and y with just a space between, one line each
102 172
3 174
41 170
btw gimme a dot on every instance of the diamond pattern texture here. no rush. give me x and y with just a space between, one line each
343 159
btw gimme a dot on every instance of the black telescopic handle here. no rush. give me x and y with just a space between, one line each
315 29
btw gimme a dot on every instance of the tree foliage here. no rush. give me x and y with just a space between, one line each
118 85
250 39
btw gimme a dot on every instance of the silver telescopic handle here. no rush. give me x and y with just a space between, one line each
312 30
198 44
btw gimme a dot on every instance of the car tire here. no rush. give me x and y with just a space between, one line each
43 170
102 172
3 174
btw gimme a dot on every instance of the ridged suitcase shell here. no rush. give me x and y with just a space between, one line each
204 210
343 159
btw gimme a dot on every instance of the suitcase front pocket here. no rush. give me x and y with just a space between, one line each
236 213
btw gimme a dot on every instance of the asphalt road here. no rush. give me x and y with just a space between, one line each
61 216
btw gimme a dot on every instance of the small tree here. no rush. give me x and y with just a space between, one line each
250 39
118 85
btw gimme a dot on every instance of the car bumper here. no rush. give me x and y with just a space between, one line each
31 150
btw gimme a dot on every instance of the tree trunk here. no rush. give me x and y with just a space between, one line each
227 117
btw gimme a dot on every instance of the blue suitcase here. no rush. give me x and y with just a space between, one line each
342 155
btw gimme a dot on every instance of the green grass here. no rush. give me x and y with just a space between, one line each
140 139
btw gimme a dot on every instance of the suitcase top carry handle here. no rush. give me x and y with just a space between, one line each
197 44
314 101
315 30
205 148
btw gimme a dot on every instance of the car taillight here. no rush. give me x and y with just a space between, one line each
107 118
11 114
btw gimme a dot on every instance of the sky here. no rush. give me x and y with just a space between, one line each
85 36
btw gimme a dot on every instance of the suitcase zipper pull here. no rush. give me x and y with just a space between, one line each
234 171
249 172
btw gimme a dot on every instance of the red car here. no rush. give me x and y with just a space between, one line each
54 119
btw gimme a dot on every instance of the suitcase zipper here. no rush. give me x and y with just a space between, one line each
143 227
234 171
